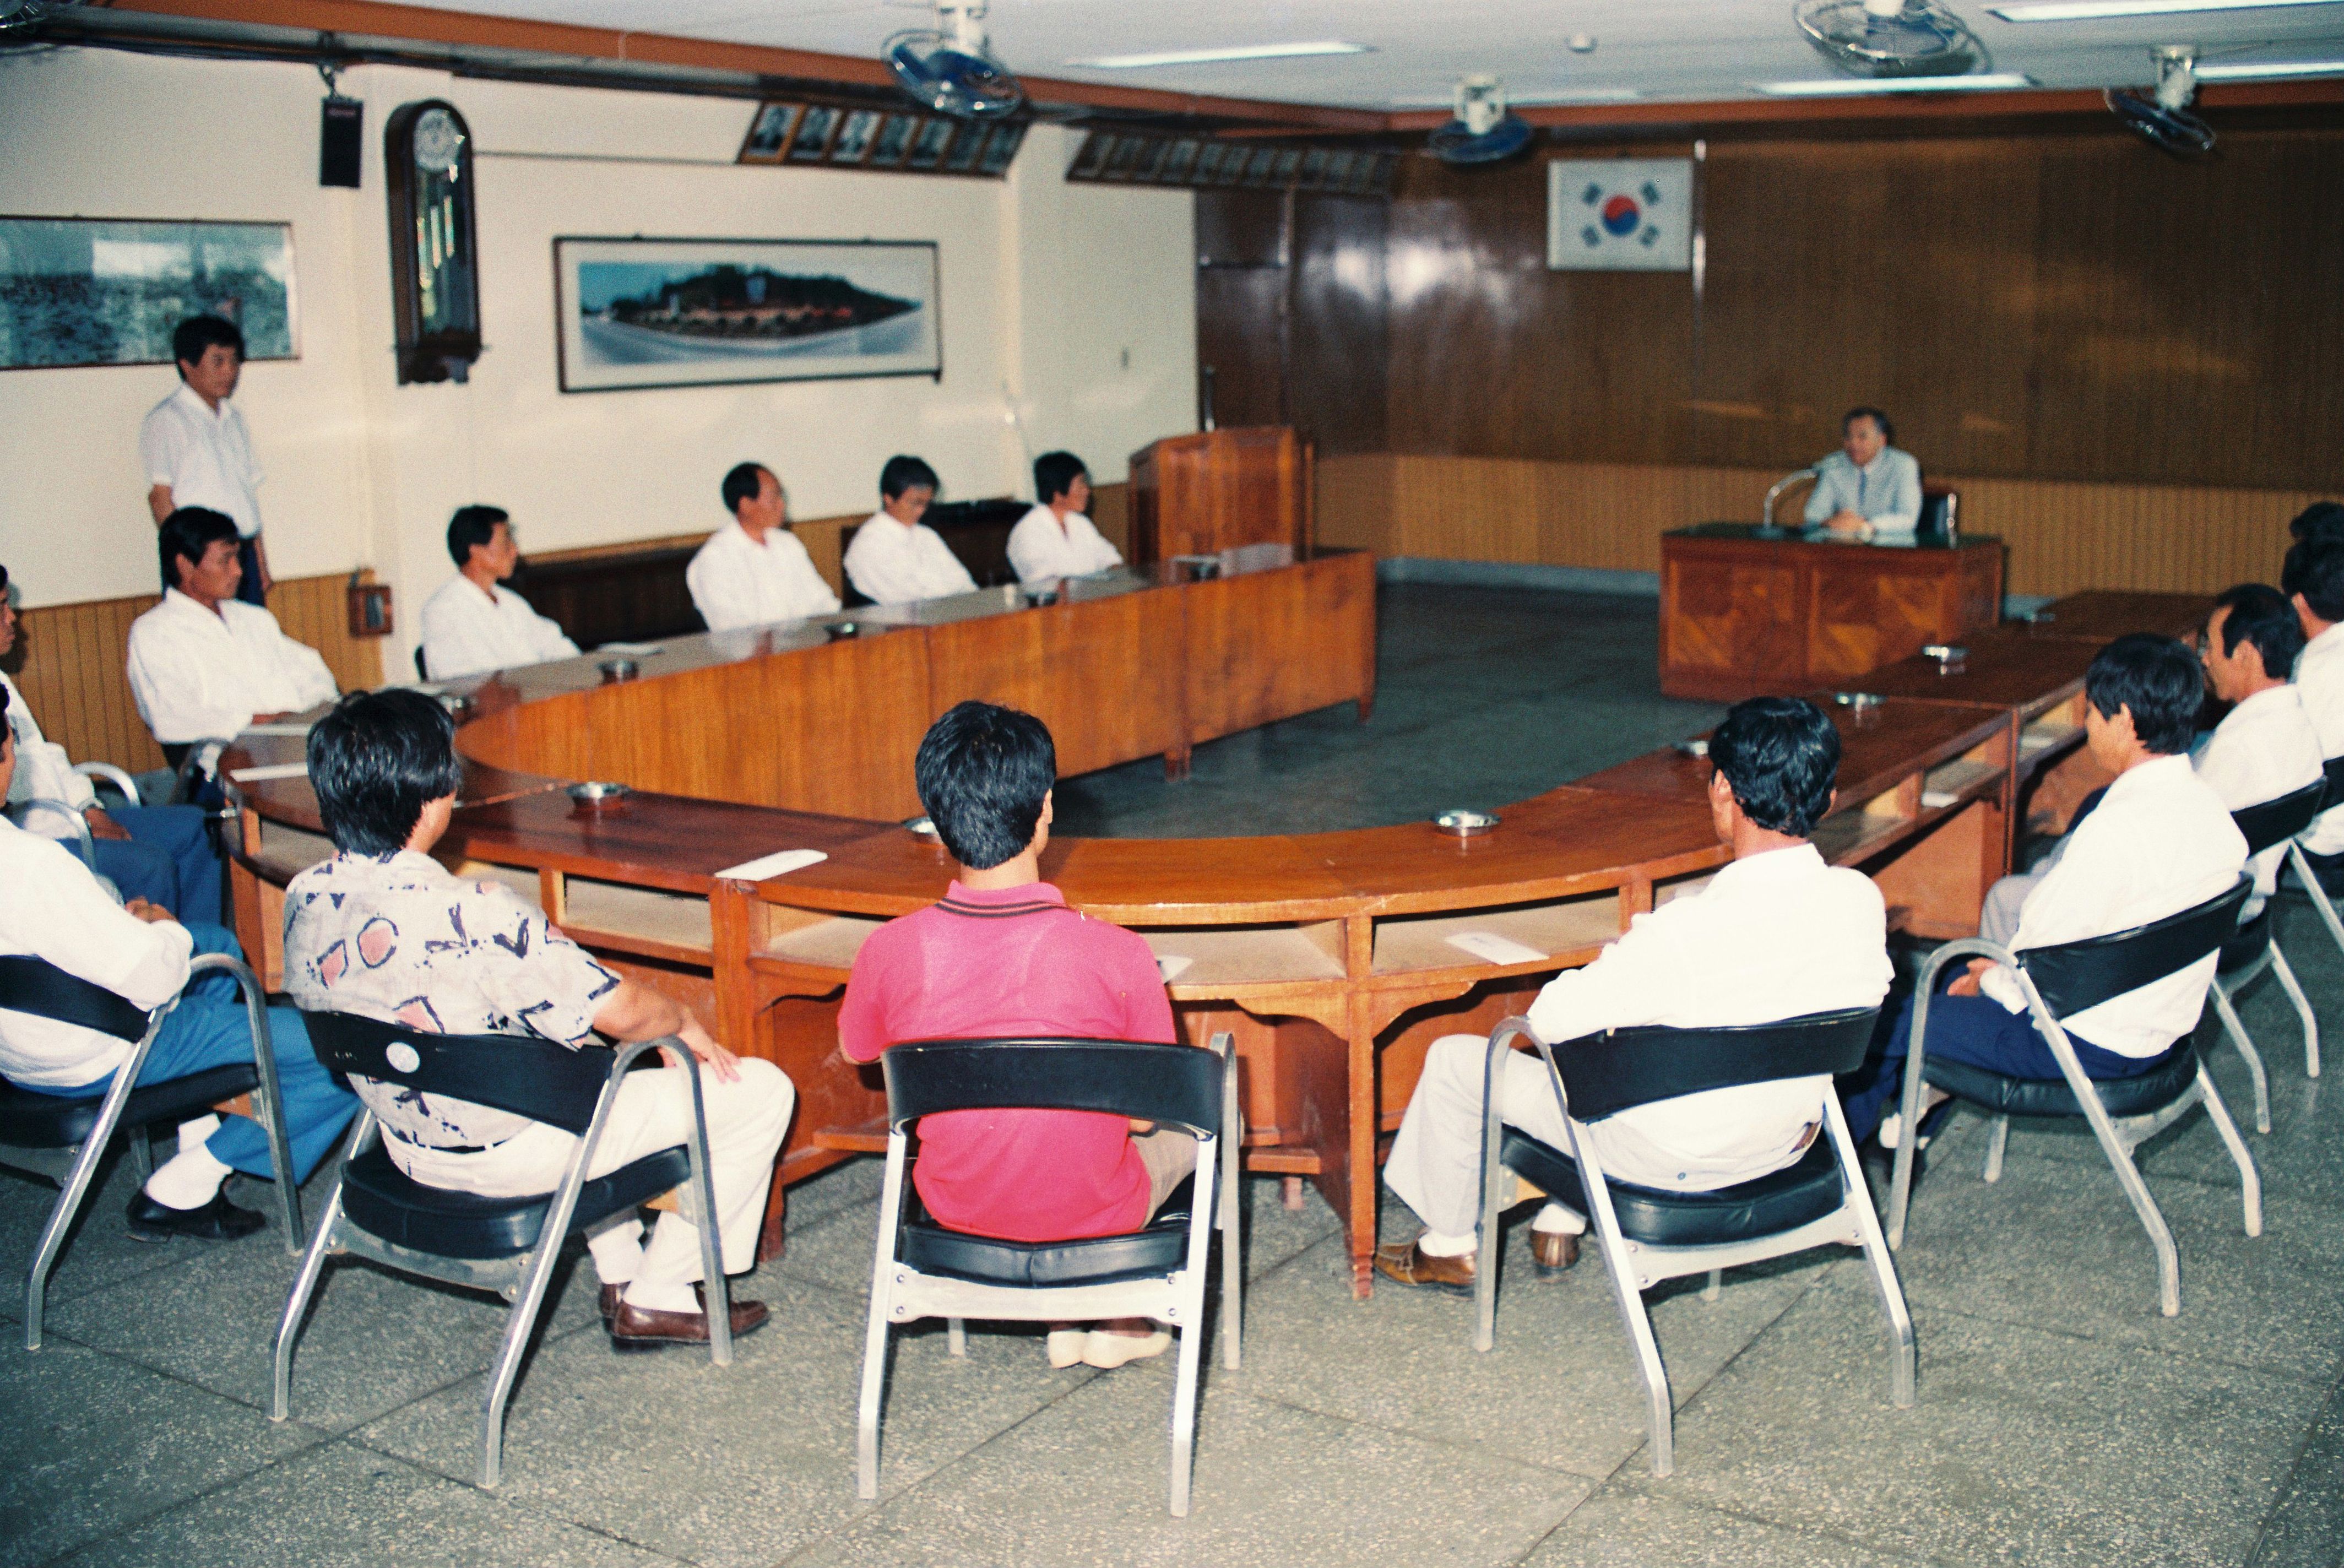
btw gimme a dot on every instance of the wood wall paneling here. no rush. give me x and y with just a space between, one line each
1338 354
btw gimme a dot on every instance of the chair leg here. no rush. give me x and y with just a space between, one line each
2250 1182
296 1306
52 1234
1997 1139
1232 1221
1657 1409
270 1105
518 1324
2319 894
2152 1219
957 1335
2240 1039
1716 1285
1489 1241
1184 1414
2294 989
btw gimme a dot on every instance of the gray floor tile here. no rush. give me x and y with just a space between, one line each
1626 1526
98 1251
2306 1529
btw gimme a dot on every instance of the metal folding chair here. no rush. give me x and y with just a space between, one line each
1647 1235
106 772
2298 857
924 1270
85 843
2254 947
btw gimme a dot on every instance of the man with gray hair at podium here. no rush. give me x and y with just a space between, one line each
1868 488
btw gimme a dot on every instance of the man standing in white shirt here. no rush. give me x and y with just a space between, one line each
2313 581
1868 488
2265 747
896 559
57 912
472 625
757 571
2160 842
204 665
1054 539
1778 934
197 450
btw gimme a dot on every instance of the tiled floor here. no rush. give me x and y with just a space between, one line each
2060 1420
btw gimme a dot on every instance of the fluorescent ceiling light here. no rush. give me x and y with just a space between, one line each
1850 87
1216 56
2259 70
2096 10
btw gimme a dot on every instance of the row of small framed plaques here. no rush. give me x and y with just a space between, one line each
1109 157
826 136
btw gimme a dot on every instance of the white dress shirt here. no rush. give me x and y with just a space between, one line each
43 771
197 675
55 910
1039 548
205 456
2320 677
895 565
1776 935
1885 491
469 632
2159 842
736 580
2263 748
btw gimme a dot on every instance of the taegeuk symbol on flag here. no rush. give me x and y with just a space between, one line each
1619 215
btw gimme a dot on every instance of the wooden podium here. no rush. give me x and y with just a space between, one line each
1217 489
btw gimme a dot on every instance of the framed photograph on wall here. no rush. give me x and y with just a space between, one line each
638 313
109 291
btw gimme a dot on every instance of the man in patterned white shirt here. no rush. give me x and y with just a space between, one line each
384 931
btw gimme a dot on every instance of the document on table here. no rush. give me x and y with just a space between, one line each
286 729
634 650
1171 965
773 865
1491 947
274 771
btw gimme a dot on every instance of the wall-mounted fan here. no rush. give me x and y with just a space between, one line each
2161 118
1484 130
950 66
17 15
1891 37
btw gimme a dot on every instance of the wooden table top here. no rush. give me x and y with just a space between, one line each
1879 747
2004 668
2103 615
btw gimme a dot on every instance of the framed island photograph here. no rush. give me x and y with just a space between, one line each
641 313
110 291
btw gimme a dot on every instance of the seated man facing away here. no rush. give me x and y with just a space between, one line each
2160 842
757 571
2265 747
384 931
55 910
2313 581
1003 957
895 559
203 663
1054 539
1776 935
161 854
472 625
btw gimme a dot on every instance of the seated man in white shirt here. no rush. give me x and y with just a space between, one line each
896 559
757 571
2265 747
1778 934
197 450
2313 581
2160 842
472 624
384 931
56 911
1867 488
204 664
1054 539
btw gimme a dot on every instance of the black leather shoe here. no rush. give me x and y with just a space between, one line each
219 1220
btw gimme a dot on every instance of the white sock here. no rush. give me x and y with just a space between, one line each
189 1179
195 1134
1555 1220
653 1296
1433 1244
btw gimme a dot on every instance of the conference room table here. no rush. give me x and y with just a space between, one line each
1334 959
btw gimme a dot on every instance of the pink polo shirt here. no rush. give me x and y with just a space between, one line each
1012 963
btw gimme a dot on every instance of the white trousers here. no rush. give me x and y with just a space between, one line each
1436 1161
747 1121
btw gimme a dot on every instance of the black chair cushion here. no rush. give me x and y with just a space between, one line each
1162 1248
2251 942
2139 1095
30 1119
384 1201
1805 1190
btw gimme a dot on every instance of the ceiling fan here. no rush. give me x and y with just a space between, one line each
2161 117
1890 38
951 66
1485 131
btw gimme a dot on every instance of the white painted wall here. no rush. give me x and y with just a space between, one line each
1072 303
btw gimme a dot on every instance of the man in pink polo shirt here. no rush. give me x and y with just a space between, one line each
1004 957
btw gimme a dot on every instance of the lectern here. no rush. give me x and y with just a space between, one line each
1219 489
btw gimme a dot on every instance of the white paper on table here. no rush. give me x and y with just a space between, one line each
273 771
275 730
1172 964
773 865
637 650
1494 948
1936 799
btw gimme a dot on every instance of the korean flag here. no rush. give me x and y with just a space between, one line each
1619 215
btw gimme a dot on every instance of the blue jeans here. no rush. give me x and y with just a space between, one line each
209 1029
169 859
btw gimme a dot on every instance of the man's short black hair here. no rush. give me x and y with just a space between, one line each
1781 758
2315 569
983 772
903 473
185 534
191 336
375 761
2261 616
2320 520
1054 474
744 481
1866 411
473 526
2158 680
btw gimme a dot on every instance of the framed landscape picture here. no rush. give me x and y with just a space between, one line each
633 313
109 291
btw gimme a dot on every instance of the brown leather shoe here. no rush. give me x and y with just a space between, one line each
608 1299
1554 1251
635 1328
1406 1262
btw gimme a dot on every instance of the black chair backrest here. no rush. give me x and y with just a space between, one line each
523 1074
1935 503
2277 821
421 673
36 986
2334 770
1180 1084
2074 976
1619 1070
